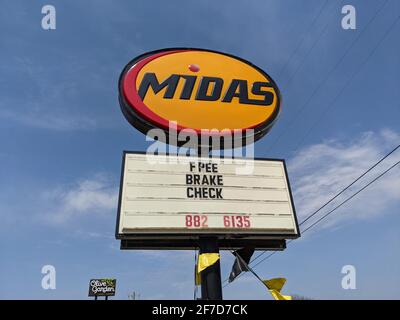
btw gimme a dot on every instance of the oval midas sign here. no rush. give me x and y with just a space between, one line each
199 89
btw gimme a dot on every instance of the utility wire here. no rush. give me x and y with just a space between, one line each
372 52
351 197
323 31
338 206
319 119
329 106
340 192
304 36
307 103
350 185
346 188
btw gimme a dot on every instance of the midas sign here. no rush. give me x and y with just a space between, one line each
198 89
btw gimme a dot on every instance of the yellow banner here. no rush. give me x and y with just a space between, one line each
278 296
275 284
206 260
197 276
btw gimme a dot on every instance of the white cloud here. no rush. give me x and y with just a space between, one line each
90 196
320 171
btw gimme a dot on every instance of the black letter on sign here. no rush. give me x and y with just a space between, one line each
231 92
189 179
243 93
268 95
188 87
203 88
150 80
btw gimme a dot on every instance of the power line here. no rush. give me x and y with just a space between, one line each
328 107
351 197
348 199
301 109
372 52
304 36
348 186
311 48
330 212
323 206
338 206
341 192
338 96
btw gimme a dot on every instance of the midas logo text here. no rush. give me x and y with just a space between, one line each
208 89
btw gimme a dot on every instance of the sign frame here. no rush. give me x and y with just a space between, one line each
189 240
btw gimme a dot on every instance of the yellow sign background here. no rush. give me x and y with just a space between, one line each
206 114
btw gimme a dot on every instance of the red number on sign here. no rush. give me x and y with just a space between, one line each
246 222
204 221
239 221
196 221
227 222
236 222
189 221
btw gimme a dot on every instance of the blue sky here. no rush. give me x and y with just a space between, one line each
62 135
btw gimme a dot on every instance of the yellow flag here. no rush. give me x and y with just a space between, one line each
206 260
197 277
275 284
278 296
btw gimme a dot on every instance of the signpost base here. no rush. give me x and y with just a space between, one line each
211 287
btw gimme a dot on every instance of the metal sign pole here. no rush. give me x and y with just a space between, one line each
211 286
